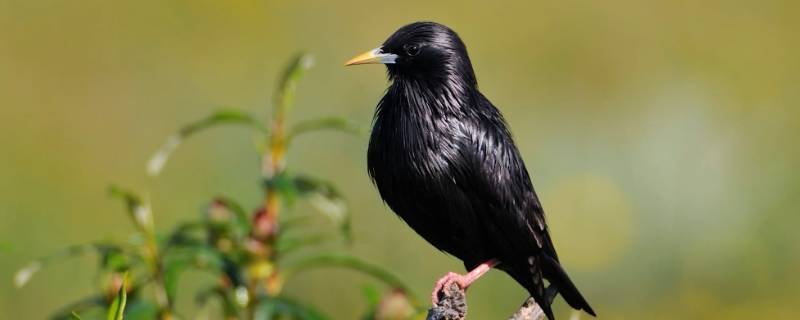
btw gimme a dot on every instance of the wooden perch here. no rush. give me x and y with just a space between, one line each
453 306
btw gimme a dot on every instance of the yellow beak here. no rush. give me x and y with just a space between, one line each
372 57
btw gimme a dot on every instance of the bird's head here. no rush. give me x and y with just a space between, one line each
422 50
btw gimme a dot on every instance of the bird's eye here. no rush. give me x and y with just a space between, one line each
411 49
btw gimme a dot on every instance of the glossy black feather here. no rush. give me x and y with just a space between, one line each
443 159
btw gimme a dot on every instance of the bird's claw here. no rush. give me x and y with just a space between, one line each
444 282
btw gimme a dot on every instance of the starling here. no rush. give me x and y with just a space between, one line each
443 159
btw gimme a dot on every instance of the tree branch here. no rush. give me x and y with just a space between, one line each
529 310
453 306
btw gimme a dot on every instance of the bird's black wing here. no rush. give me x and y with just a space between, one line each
495 177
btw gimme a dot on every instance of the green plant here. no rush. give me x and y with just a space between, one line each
252 255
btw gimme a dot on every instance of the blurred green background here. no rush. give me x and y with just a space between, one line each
662 137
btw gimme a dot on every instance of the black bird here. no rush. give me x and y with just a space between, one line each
443 159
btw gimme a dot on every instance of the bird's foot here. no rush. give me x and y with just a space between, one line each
463 281
445 281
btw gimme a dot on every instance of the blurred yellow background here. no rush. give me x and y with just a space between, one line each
661 135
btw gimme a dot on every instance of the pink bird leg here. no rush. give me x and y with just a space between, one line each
463 281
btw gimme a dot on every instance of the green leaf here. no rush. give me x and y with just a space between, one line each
23 275
242 218
372 295
172 273
347 261
288 244
284 98
139 309
85 306
284 184
270 307
75 316
229 305
289 222
117 309
226 223
187 235
326 199
115 259
138 210
322 196
199 257
328 123
220 117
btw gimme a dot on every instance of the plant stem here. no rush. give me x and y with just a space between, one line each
154 261
265 221
265 229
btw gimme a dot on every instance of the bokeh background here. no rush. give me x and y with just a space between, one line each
662 137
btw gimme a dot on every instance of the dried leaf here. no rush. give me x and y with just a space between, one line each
25 274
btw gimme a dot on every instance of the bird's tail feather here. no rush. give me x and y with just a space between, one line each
560 280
